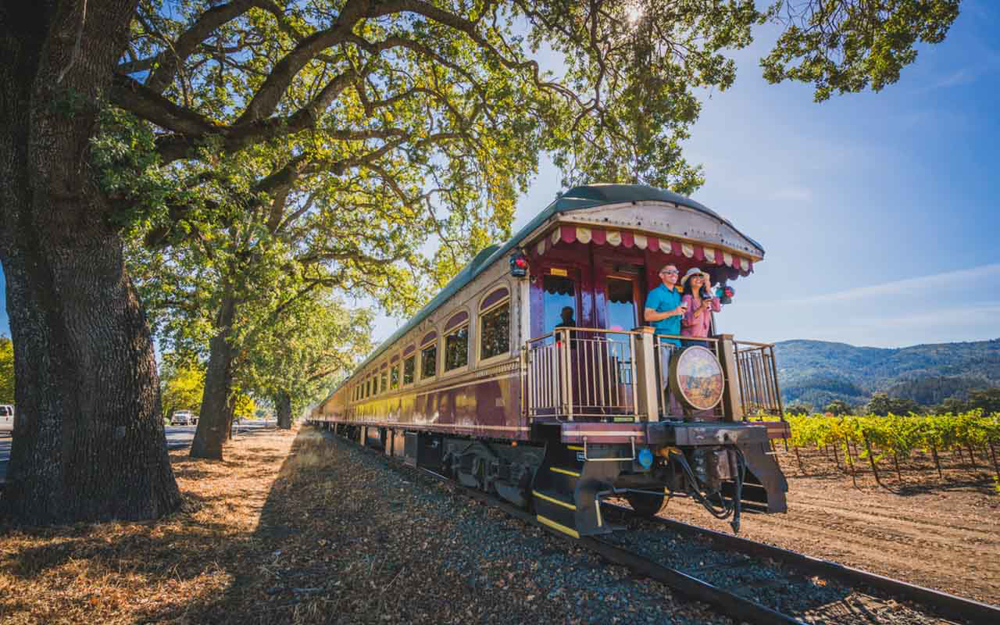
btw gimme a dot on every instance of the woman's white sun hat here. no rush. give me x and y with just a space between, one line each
694 271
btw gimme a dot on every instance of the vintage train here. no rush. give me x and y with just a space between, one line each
532 375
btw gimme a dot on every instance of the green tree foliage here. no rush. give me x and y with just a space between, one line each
182 382
838 407
307 350
244 407
882 404
844 46
262 149
6 370
986 400
799 408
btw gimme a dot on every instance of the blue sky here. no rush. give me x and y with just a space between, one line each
877 211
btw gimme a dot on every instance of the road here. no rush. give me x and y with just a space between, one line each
178 437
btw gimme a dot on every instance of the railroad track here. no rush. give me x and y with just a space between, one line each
750 581
942 604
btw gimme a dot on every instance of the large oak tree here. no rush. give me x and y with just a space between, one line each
328 79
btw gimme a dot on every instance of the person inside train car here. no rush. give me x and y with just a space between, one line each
664 307
700 305
568 322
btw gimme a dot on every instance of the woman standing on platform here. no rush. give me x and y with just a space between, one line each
700 305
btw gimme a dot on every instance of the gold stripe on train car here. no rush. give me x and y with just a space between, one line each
564 471
557 526
553 500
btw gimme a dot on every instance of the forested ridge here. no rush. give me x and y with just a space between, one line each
817 372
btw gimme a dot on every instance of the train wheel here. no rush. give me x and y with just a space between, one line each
645 504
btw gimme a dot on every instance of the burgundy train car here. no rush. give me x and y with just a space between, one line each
532 375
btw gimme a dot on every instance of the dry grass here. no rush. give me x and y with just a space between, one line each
183 569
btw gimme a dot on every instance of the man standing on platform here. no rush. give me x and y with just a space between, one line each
664 310
663 306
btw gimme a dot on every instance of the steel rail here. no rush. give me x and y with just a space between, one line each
942 603
741 609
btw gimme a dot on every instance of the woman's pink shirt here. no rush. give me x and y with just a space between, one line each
697 326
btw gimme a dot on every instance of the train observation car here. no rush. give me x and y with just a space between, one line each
533 376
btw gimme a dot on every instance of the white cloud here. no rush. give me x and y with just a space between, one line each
958 77
908 286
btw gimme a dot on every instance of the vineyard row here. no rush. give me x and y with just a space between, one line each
876 438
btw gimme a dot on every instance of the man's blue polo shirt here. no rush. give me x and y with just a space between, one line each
662 299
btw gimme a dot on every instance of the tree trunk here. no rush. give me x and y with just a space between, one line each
283 406
216 415
90 443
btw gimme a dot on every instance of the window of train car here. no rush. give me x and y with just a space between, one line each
428 362
409 369
428 355
456 341
456 348
494 324
383 385
394 376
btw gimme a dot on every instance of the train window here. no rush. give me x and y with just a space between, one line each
428 362
394 377
621 303
456 348
409 369
383 379
494 331
559 293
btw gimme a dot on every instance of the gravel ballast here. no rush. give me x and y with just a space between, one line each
400 546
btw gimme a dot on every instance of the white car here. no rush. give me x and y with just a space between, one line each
7 418
183 417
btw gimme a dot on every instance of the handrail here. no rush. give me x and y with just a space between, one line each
758 377
575 372
664 352
582 372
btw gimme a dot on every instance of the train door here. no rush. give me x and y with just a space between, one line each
622 313
622 297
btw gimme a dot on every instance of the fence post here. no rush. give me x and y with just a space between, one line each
732 410
646 385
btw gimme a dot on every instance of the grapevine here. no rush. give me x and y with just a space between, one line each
877 439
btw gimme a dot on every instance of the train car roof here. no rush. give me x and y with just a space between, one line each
577 198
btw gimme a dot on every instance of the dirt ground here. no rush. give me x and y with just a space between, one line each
256 542
180 569
295 528
943 533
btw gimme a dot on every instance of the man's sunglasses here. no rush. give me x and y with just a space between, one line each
674 271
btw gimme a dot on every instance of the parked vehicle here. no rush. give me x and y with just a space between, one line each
7 418
183 417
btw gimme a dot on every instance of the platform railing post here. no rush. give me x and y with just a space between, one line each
646 385
563 338
733 411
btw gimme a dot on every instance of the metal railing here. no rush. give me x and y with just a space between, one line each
758 379
665 350
575 373
581 372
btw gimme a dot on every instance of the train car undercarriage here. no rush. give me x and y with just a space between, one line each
725 467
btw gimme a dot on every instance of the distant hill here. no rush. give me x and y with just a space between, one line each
818 372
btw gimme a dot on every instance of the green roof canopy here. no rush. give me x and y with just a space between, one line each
577 198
